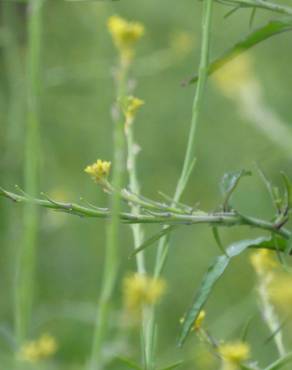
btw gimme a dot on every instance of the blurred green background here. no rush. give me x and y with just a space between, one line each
77 93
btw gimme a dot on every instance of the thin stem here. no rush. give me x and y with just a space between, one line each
197 107
190 150
25 277
138 233
261 4
14 124
111 257
226 219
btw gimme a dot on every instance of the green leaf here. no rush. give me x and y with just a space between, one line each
153 239
273 190
280 362
288 187
215 271
246 328
229 183
263 33
131 364
173 366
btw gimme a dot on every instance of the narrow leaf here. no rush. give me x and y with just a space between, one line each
229 183
215 271
218 239
246 328
288 187
153 239
270 29
273 191
280 362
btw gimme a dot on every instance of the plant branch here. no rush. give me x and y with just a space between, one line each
224 219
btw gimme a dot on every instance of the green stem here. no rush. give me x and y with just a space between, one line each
226 219
190 150
14 127
25 277
138 235
197 107
111 257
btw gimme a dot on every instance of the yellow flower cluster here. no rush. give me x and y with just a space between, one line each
40 349
139 290
131 105
263 261
234 353
98 170
125 35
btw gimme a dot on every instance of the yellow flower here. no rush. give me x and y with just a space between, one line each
131 105
47 345
125 35
234 75
199 321
141 289
234 353
263 261
98 170
30 352
37 350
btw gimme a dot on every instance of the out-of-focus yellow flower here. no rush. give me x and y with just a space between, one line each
139 290
199 321
233 354
235 75
125 35
263 261
98 170
40 349
182 43
131 105
280 291
47 345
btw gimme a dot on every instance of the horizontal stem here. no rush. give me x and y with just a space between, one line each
164 218
261 4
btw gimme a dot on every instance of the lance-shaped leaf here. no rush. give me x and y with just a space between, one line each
215 271
263 33
229 183
153 239
280 363
288 187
